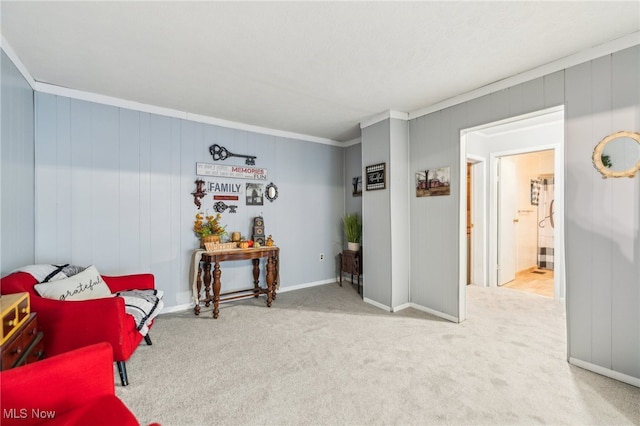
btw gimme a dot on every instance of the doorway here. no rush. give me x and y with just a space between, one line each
483 146
526 222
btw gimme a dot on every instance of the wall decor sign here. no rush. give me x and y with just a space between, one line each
240 172
357 186
224 187
225 198
376 176
255 194
220 153
433 182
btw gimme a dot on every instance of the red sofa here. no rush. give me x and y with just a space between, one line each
74 388
69 325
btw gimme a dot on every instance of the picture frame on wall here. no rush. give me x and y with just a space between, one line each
433 182
255 194
357 186
376 176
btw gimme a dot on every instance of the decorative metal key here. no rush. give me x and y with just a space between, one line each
220 153
220 207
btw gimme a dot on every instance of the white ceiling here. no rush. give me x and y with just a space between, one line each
314 68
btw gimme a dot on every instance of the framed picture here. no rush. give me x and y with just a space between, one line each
357 186
255 194
376 176
432 182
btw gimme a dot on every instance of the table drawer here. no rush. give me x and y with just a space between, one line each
20 347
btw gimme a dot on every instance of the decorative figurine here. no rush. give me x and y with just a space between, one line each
269 241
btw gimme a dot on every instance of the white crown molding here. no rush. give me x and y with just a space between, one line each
258 129
137 106
352 142
168 112
384 116
583 56
6 47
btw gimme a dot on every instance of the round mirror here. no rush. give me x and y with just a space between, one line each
271 192
618 155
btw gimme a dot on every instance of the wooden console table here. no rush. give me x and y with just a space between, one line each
212 287
351 263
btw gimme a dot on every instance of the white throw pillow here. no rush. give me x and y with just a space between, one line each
84 285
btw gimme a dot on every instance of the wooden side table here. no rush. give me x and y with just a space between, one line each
351 263
24 346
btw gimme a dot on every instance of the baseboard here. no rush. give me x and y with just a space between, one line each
176 308
187 306
377 305
306 285
436 313
401 307
634 381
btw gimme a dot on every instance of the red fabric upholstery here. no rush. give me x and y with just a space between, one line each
74 388
69 325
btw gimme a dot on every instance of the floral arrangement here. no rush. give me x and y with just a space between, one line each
208 225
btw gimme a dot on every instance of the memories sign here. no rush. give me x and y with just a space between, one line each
240 172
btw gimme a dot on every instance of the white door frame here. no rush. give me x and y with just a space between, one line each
559 252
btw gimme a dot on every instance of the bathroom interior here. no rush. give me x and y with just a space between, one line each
535 223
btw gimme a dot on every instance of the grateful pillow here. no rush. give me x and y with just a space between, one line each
84 285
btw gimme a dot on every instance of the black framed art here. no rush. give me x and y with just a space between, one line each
376 176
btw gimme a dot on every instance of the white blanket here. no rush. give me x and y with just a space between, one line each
143 305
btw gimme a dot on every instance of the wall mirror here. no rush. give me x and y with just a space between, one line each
271 192
618 155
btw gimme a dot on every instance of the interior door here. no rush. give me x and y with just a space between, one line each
507 220
469 223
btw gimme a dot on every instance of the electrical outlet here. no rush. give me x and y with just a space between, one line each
321 256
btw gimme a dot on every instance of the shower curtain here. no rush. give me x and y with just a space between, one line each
545 222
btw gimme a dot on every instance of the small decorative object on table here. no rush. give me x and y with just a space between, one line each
269 242
352 230
220 246
208 228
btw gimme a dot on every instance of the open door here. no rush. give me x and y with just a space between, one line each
469 223
507 220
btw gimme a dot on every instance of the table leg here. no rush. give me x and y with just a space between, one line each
340 270
276 262
196 309
207 283
256 277
216 289
270 279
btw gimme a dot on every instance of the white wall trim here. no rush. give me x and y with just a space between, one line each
613 46
435 313
352 142
377 304
306 285
189 306
384 116
401 307
137 106
6 47
634 381
168 112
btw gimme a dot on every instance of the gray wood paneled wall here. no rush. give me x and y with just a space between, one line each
16 169
353 168
376 219
602 217
113 188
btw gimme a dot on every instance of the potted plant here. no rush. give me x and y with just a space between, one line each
208 228
352 230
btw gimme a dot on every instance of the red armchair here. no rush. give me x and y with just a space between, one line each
69 325
74 388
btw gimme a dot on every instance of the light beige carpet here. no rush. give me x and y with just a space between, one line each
321 356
